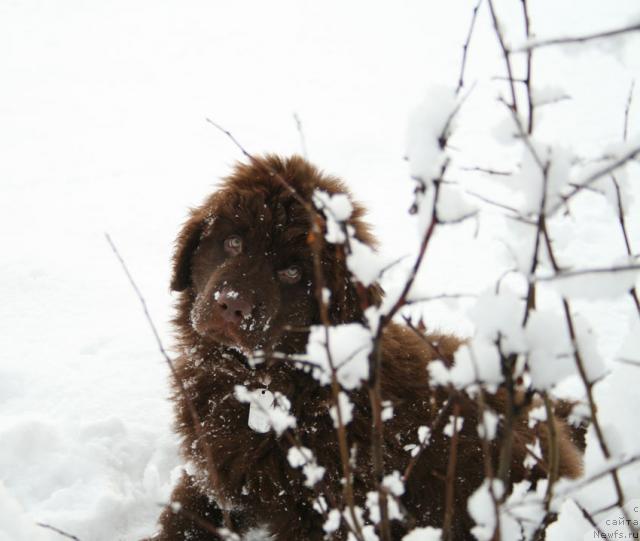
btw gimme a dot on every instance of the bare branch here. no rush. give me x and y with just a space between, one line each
621 217
527 79
465 47
488 171
308 207
576 486
561 274
593 177
214 477
591 520
491 202
507 57
577 39
631 362
625 131
303 143
441 297
436 425
58 531
450 478
588 384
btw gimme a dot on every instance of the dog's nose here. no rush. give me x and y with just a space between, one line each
232 306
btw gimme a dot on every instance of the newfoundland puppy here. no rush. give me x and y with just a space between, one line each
247 267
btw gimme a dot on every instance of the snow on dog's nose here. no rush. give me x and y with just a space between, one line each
232 307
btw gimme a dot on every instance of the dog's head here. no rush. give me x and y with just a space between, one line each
244 260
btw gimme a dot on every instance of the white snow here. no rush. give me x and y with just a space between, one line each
346 410
103 108
337 209
488 425
304 458
453 426
333 521
424 534
347 350
394 483
481 508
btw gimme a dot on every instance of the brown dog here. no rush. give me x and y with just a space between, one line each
245 272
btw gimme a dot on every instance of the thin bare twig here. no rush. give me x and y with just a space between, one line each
308 207
450 479
577 354
465 47
441 297
214 477
488 171
597 175
591 520
554 466
631 362
437 424
575 486
527 78
621 216
303 142
58 531
561 274
627 109
577 39
507 56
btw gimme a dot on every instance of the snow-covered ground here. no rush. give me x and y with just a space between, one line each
102 109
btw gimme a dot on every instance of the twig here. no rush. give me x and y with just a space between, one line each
309 208
375 358
625 131
593 177
303 143
488 171
577 39
507 56
576 486
214 478
554 465
58 531
487 454
561 274
442 297
450 479
515 211
527 79
631 362
621 217
573 487
465 47
591 520
507 365
437 423
604 447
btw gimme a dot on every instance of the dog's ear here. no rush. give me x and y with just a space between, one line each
186 244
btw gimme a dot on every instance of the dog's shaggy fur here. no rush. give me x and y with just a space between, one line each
244 270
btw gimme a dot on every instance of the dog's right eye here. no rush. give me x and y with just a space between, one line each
233 245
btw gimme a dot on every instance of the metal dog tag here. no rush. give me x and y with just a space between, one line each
262 402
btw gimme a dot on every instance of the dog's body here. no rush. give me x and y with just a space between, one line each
245 271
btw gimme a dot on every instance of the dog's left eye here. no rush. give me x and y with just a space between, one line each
233 245
290 275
